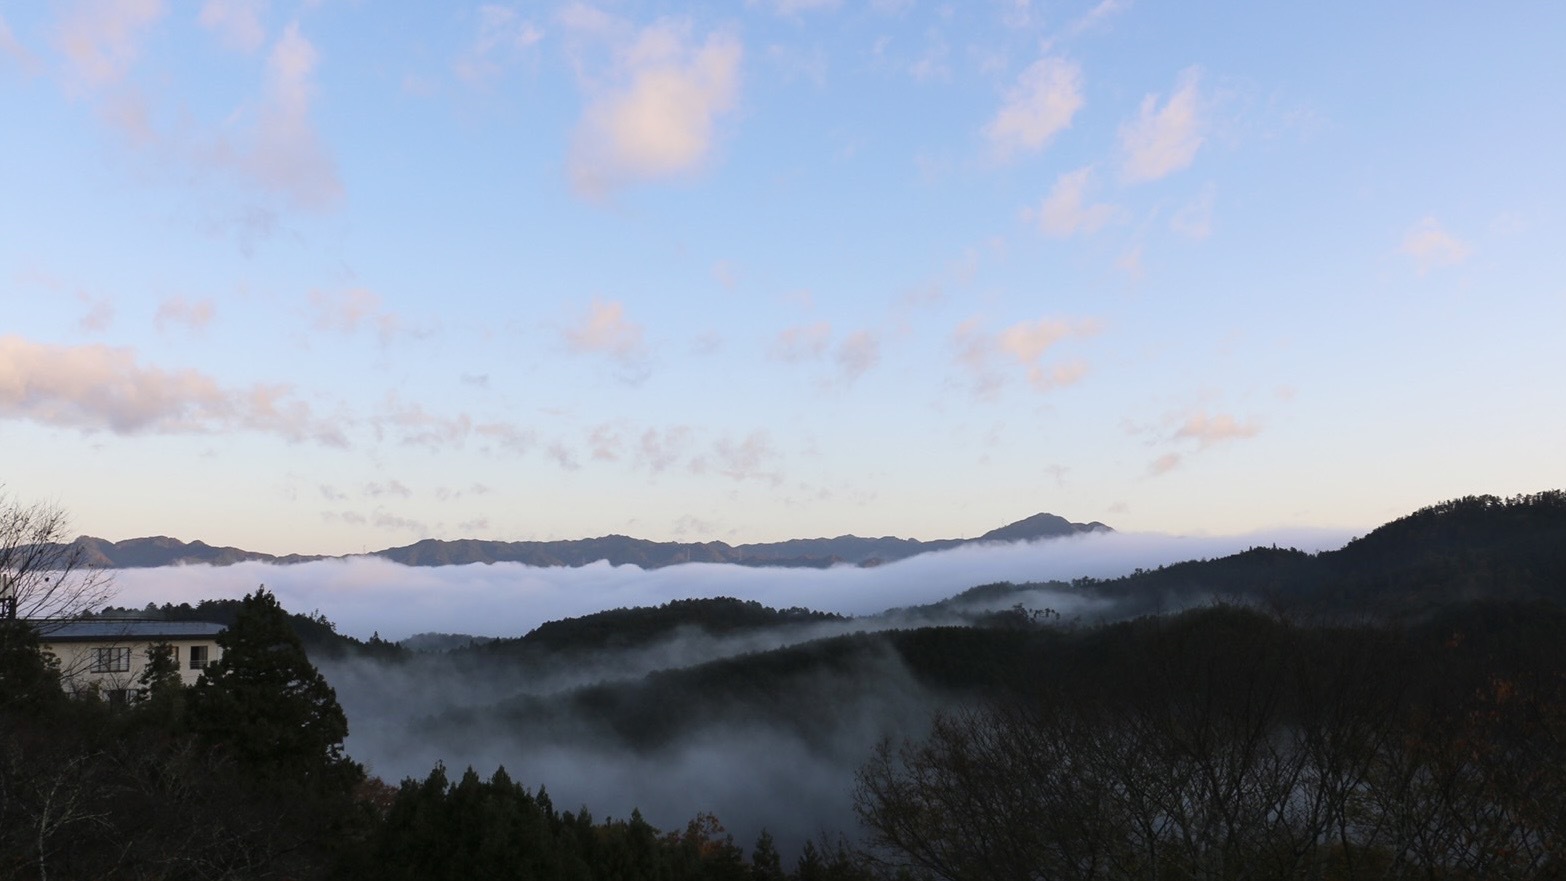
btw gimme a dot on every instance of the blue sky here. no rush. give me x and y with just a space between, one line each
335 276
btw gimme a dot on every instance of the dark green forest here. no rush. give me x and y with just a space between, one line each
1393 709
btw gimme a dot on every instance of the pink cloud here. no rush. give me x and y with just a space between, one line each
103 388
1040 106
1208 430
606 330
987 356
1066 211
1163 140
656 112
1430 246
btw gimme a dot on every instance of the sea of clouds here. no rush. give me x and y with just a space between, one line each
364 595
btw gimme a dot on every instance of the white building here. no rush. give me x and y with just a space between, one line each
108 655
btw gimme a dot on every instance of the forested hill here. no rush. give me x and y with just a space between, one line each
631 628
616 549
1475 547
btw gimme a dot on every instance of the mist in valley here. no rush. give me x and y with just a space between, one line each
780 757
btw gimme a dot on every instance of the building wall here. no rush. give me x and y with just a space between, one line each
77 660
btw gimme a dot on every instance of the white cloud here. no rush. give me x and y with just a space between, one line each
1041 105
503 34
1065 211
606 330
1430 246
101 39
103 388
1163 140
236 22
656 117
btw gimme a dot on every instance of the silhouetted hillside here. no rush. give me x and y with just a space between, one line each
616 629
1473 548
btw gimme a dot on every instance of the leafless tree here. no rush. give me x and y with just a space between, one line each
43 574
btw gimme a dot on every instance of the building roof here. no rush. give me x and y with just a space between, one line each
125 630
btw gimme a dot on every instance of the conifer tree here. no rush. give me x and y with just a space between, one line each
268 706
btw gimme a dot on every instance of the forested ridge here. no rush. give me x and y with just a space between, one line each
1393 709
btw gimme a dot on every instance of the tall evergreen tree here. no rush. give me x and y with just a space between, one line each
268 706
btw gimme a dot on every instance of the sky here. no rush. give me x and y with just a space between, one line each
332 276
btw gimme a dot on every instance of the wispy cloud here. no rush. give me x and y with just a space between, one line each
1194 220
279 148
103 388
1066 211
177 311
1098 15
237 23
802 342
1022 346
503 35
375 490
655 114
606 330
1204 430
1430 246
795 7
348 311
1207 429
102 39
857 354
99 315
12 49
1037 108
1163 140
410 424
752 457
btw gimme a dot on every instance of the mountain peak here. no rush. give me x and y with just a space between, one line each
1041 525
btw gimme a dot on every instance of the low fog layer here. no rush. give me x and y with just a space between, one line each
791 773
365 595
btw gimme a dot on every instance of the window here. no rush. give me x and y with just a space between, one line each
111 660
198 657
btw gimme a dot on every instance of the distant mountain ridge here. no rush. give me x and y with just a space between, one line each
618 550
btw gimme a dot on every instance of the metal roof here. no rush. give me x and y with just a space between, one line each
124 630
